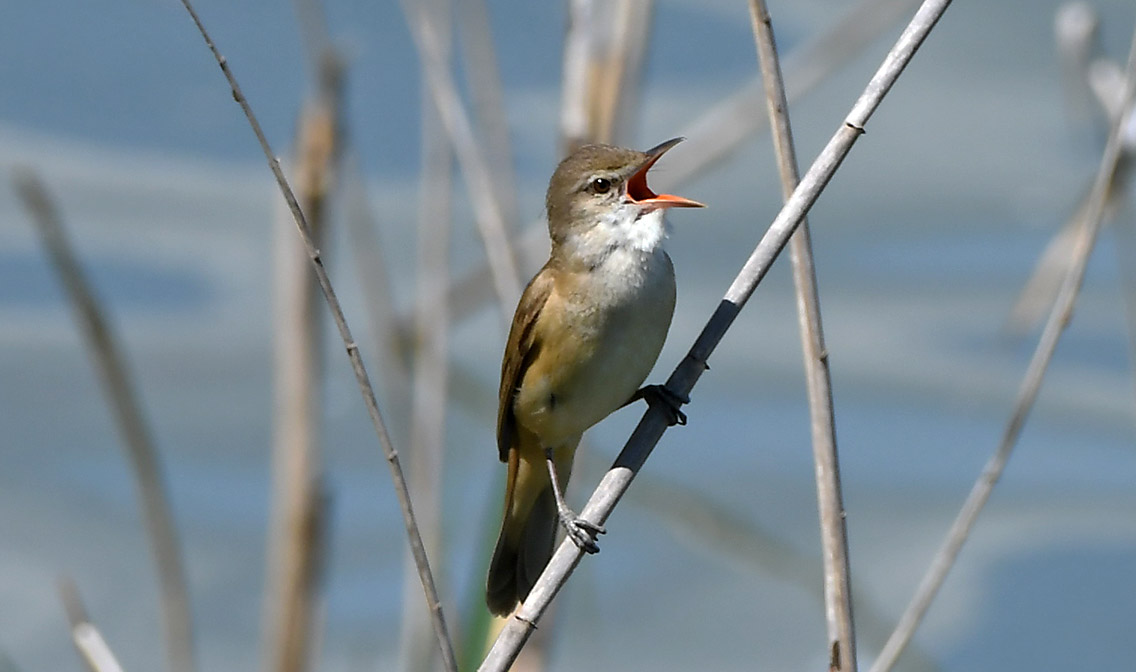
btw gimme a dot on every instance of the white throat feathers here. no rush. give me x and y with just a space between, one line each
623 240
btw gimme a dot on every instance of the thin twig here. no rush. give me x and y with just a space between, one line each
88 641
110 362
1059 318
712 137
684 377
431 356
830 503
365 388
293 551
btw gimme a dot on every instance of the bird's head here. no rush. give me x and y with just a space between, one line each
600 192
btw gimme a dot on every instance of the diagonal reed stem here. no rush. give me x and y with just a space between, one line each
110 362
830 504
1059 318
686 375
414 537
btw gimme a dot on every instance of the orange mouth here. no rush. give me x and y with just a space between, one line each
641 194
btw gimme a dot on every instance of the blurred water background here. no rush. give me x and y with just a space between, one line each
923 241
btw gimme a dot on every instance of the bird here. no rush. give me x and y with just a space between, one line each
585 335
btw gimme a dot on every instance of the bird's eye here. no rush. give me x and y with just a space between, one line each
601 185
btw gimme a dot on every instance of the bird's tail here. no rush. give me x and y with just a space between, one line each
528 531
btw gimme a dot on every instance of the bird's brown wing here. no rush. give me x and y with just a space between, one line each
520 350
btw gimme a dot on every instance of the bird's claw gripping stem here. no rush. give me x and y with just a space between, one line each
582 532
669 401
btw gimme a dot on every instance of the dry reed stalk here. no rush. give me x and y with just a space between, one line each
535 656
578 47
624 81
712 137
830 503
367 391
110 362
89 643
1059 318
291 579
297 620
1052 265
488 97
603 52
471 159
686 375
1039 293
431 356
362 229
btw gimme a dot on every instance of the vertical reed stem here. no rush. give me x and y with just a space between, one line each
830 504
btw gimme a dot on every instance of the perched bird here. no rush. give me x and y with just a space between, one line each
586 333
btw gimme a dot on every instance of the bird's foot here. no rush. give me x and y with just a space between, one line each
669 401
582 532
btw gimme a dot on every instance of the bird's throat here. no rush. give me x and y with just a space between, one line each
622 241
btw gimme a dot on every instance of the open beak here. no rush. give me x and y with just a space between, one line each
641 194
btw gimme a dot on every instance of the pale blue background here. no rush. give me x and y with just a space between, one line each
922 242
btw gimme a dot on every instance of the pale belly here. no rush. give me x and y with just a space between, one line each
595 369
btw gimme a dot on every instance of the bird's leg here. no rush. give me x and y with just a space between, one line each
670 401
582 532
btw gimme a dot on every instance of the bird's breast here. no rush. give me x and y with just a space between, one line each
599 335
